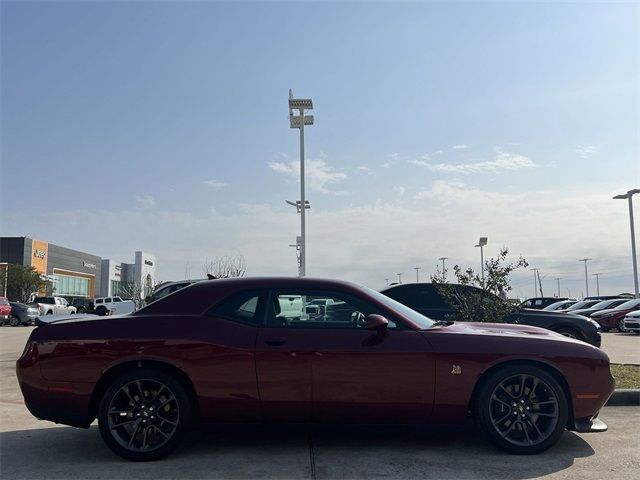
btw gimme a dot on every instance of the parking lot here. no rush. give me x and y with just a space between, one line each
33 449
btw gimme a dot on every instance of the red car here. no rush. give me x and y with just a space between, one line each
614 317
5 309
248 351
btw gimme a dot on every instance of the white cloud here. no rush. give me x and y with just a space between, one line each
146 202
318 174
394 157
460 147
399 190
586 151
503 161
364 169
216 185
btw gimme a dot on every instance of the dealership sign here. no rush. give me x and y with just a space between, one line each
89 265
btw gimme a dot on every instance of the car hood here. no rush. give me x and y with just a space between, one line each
504 329
530 312
609 311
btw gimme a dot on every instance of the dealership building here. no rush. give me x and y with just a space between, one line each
74 273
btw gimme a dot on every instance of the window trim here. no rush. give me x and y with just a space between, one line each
261 293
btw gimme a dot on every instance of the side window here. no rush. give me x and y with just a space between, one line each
319 309
243 307
98 300
116 299
107 300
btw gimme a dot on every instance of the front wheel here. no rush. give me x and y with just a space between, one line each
14 321
522 409
620 325
144 414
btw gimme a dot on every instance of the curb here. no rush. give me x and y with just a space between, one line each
624 397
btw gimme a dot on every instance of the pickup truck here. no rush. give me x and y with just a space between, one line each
112 306
53 306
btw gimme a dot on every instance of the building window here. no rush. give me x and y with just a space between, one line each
70 286
115 287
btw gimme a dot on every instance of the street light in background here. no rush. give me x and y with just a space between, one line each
597 275
481 243
417 274
387 280
629 196
299 121
536 276
558 280
586 275
442 259
399 278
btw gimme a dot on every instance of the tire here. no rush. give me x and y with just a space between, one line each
82 310
540 424
163 393
14 322
50 312
102 311
569 332
620 325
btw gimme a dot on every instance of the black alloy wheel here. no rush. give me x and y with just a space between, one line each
14 321
522 409
102 311
144 414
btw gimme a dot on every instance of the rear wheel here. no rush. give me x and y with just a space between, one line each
522 409
620 325
14 321
102 311
144 414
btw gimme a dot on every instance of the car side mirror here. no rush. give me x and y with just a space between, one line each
376 322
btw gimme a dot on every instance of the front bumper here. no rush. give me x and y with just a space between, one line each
589 425
632 325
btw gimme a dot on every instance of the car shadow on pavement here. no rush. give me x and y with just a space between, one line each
290 452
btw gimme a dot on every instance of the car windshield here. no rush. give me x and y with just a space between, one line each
557 305
583 304
417 318
629 304
4 301
603 304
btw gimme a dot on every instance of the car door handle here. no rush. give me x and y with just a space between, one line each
274 343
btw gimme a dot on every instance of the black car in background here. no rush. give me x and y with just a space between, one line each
425 298
539 303
580 305
587 312
561 305
83 305
22 314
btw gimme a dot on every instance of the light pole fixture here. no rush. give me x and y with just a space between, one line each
442 259
417 274
535 282
628 196
558 280
481 243
586 275
299 121
597 275
399 278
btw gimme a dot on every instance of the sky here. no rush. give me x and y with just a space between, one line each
162 126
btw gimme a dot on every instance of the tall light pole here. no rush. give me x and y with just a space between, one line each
597 275
481 243
444 275
629 196
535 282
586 275
299 121
399 278
417 274
387 280
558 280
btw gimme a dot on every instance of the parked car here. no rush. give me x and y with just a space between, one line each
53 306
22 314
82 304
169 287
539 303
425 298
632 322
561 305
203 353
5 309
604 304
614 317
579 305
113 306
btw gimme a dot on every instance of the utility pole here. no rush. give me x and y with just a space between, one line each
399 278
444 273
417 274
597 275
387 280
586 275
629 196
558 280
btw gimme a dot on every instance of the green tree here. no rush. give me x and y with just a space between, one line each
480 304
23 281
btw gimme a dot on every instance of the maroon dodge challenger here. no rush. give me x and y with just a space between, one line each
290 350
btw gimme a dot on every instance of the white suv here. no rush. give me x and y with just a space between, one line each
112 306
